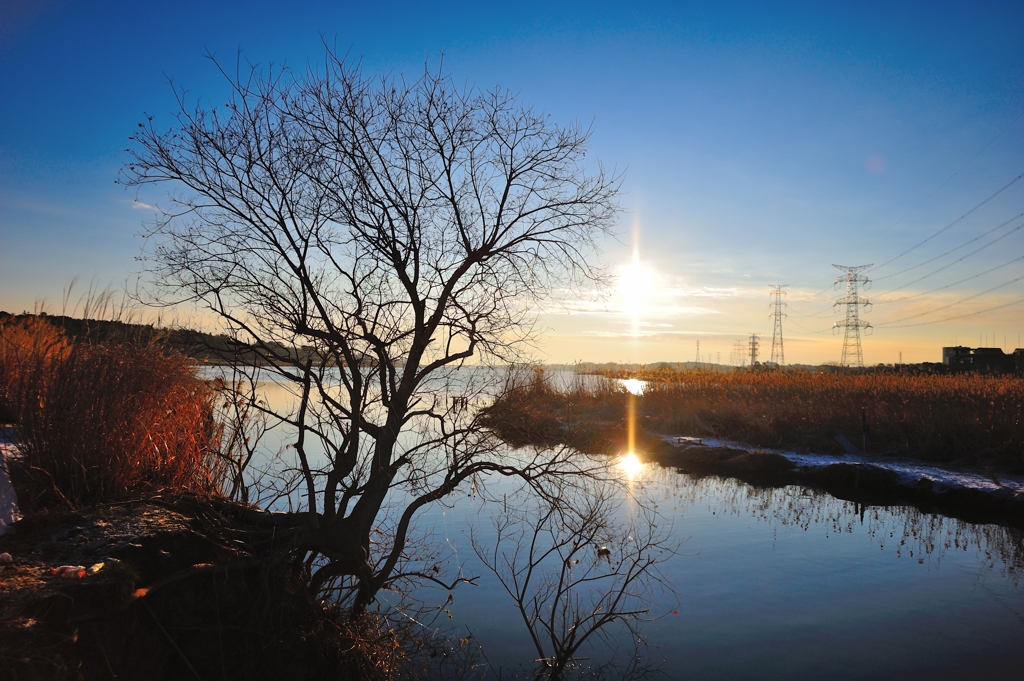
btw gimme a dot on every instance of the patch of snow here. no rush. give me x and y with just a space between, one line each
910 473
8 499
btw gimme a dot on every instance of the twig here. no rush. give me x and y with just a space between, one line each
171 641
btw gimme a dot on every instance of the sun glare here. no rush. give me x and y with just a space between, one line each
631 465
635 283
634 386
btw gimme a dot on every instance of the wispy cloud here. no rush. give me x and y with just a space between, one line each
620 309
640 333
708 292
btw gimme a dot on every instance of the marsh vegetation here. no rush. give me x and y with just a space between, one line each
953 419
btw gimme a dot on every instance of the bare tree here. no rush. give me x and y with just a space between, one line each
363 239
578 575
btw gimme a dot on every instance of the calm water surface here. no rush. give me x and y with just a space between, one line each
795 584
784 583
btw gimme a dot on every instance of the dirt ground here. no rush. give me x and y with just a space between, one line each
178 592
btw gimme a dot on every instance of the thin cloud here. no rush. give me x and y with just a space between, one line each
629 334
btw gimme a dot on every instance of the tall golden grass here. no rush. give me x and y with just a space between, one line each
587 415
964 418
942 417
96 423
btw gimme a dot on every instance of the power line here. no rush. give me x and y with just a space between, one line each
763 325
819 312
943 307
812 331
973 276
950 178
960 259
958 220
962 316
815 295
952 250
933 193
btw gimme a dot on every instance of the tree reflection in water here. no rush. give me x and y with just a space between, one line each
925 537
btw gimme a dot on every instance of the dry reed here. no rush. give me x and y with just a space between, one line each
968 418
942 417
97 423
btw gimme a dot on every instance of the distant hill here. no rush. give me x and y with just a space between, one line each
204 347
617 367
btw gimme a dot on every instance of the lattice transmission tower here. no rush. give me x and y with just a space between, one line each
753 346
778 353
736 357
852 324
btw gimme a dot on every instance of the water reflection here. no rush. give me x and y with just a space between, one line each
631 465
794 583
905 530
633 386
778 582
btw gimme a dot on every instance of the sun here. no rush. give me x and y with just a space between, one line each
635 284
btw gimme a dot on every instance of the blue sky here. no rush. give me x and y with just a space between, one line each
762 143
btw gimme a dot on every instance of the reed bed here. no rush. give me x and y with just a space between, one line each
945 418
98 423
939 417
587 414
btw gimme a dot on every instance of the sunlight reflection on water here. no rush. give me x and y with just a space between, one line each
634 386
782 582
631 465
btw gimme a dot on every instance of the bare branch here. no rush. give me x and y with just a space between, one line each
362 240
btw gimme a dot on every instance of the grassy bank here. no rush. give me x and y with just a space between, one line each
964 419
103 422
120 468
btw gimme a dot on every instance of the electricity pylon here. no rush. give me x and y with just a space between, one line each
778 353
852 277
753 349
737 354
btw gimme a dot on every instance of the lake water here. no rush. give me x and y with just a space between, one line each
793 583
786 583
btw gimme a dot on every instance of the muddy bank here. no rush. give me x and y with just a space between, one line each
967 495
181 592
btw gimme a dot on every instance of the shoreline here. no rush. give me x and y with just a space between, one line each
973 496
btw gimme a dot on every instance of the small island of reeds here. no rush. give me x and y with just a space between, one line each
953 421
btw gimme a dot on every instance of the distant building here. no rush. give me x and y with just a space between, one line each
983 359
